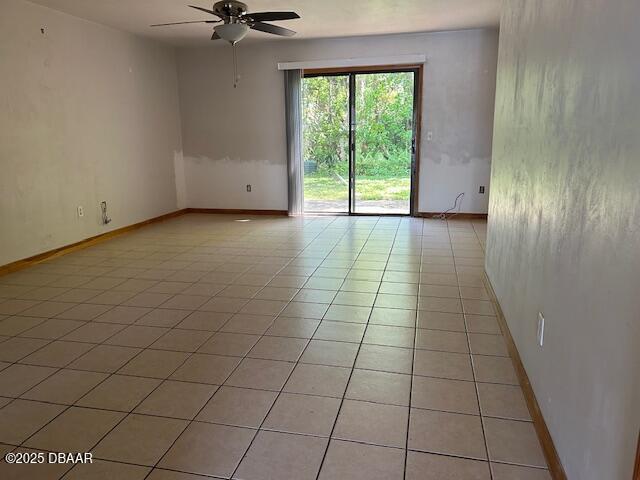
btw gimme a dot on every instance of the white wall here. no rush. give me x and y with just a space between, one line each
234 137
87 113
564 220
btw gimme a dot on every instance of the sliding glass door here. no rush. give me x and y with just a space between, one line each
359 133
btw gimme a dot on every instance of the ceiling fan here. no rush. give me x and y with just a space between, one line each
237 21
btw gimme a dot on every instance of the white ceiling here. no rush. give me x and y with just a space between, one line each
320 18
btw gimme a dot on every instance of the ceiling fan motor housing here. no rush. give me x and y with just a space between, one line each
230 10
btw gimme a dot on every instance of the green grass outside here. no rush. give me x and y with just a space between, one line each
327 187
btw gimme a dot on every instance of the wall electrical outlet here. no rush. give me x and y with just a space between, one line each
429 136
248 188
80 211
540 334
481 189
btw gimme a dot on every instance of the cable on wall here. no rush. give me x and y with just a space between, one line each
105 217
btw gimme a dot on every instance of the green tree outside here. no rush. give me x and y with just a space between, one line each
384 116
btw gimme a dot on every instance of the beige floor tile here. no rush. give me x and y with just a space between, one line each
123 315
455 366
163 317
360 286
182 340
93 332
276 293
506 401
427 466
57 354
318 380
280 455
446 395
348 313
380 387
263 307
337 354
355 299
375 423
208 449
513 441
15 306
261 374
278 348
224 304
139 439
209 321
47 309
494 370
389 336
478 307
154 363
453 322
514 472
146 299
393 317
485 344
305 310
119 392
397 288
22 418
387 300
234 344
442 291
238 406
248 323
205 368
304 414
438 304
103 470
17 379
177 399
185 302
53 328
75 430
14 325
474 293
84 311
446 433
112 297
387 359
105 358
441 340
482 324
293 327
340 331
15 348
202 288
136 336
356 461
288 281
65 386
311 295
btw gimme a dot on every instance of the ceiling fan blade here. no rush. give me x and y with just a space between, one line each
276 30
272 16
215 36
211 12
183 23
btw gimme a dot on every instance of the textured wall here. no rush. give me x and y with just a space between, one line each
87 114
233 137
564 219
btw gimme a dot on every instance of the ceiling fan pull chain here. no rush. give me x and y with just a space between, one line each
235 67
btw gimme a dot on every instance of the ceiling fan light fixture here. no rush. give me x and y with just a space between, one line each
232 32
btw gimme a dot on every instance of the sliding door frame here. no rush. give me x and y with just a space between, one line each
351 72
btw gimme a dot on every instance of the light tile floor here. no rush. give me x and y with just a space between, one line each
265 348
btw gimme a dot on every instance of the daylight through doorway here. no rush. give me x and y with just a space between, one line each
358 142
